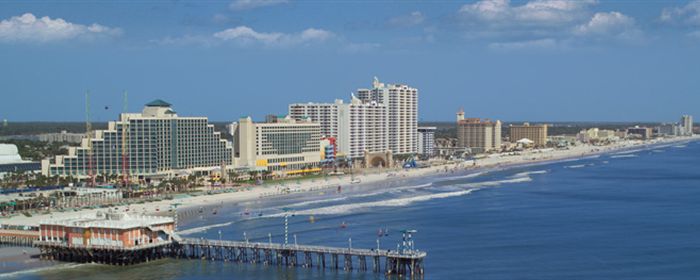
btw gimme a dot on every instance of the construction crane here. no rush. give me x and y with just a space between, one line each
125 140
88 133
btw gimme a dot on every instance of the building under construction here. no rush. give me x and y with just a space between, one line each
151 144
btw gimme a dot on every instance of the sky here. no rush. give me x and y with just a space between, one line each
536 60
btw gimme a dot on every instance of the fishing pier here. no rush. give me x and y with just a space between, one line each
121 239
405 261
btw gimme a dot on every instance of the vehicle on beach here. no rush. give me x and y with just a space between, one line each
355 181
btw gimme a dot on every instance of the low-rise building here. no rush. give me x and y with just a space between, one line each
10 161
108 229
62 137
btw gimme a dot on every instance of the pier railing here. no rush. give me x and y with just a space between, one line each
404 262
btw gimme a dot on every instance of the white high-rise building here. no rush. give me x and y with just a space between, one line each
357 126
325 114
401 103
687 125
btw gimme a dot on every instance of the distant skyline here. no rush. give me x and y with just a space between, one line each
537 60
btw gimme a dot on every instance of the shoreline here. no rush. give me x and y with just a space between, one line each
490 163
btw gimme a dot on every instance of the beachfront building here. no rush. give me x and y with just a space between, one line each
159 143
687 125
670 129
480 136
641 132
535 133
597 135
426 140
357 126
283 145
401 104
383 118
10 161
119 230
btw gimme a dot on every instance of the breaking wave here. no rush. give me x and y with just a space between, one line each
203 228
528 173
403 201
14 274
624 156
345 208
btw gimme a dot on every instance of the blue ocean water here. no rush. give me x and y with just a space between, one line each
632 215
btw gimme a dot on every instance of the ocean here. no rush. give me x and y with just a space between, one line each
627 215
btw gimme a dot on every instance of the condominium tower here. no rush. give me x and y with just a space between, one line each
358 126
426 140
401 103
478 135
687 125
383 118
159 144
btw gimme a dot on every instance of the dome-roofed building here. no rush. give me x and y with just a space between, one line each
11 161
9 154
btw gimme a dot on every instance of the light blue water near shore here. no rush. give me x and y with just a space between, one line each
633 215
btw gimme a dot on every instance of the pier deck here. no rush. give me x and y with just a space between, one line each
406 262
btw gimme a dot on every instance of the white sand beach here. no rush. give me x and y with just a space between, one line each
367 178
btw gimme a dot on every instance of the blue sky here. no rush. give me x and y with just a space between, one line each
537 60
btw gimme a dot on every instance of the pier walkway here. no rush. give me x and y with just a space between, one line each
403 262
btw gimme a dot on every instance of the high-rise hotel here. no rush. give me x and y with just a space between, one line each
281 145
383 118
159 144
480 136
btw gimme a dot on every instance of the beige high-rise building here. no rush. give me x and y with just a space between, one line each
536 133
478 135
284 145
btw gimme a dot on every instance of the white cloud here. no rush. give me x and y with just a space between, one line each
688 14
239 5
246 35
536 12
29 28
547 43
610 24
412 19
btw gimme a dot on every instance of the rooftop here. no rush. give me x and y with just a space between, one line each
158 103
111 220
